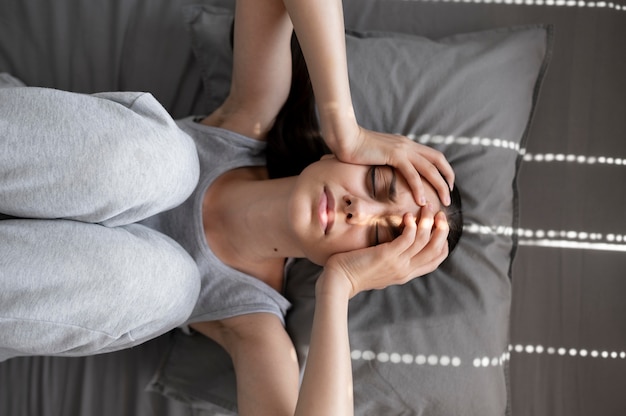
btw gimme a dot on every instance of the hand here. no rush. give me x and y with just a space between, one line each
419 250
410 158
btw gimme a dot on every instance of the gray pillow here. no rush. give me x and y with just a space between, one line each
439 344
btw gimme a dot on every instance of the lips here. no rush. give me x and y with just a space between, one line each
326 210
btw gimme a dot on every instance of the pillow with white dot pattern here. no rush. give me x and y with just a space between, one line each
437 345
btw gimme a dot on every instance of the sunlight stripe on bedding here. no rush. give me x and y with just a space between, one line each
569 239
570 352
574 245
462 140
484 361
510 145
545 3
570 158
408 359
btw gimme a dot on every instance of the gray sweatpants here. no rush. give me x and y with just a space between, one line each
77 276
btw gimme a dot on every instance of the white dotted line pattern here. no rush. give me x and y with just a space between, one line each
485 362
574 245
507 144
583 160
396 358
555 238
572 352
473 141
551 3
482 362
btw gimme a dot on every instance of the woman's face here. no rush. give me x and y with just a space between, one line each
338 207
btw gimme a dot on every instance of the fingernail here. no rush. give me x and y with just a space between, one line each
422 201
447 201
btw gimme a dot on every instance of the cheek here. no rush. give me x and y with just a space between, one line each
350 240
353 238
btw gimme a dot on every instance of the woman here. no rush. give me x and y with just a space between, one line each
331 207
83 277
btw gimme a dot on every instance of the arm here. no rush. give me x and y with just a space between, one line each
265 361
264 357
327 384
320 29
261 69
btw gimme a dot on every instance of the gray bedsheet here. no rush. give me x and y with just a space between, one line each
568 318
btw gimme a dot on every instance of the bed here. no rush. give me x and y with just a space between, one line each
527 100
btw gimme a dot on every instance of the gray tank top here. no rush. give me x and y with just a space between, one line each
225 292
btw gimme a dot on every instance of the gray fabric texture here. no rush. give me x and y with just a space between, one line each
225 291
56 146
76 276
471 96
69 288
568 274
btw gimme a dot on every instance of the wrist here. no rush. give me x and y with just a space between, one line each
332 284
339 128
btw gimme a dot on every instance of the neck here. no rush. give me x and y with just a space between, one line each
249 213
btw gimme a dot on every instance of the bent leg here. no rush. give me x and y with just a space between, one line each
111 158
9 81
70 288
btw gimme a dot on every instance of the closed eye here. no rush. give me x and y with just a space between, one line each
385 231
372 177
372 182
388 231
393 192
376 239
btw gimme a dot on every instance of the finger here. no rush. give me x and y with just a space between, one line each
430 247
417 166
406 239
436 260
423 264
442 188
434 236
438 159
423 232
441 230
412 177
430 172
434 167
444 167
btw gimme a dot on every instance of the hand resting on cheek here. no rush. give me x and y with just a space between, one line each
419 250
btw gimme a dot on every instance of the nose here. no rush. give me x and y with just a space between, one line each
361 211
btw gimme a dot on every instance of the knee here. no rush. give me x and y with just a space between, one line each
177 168
150 176
167 292
175 294
106 289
